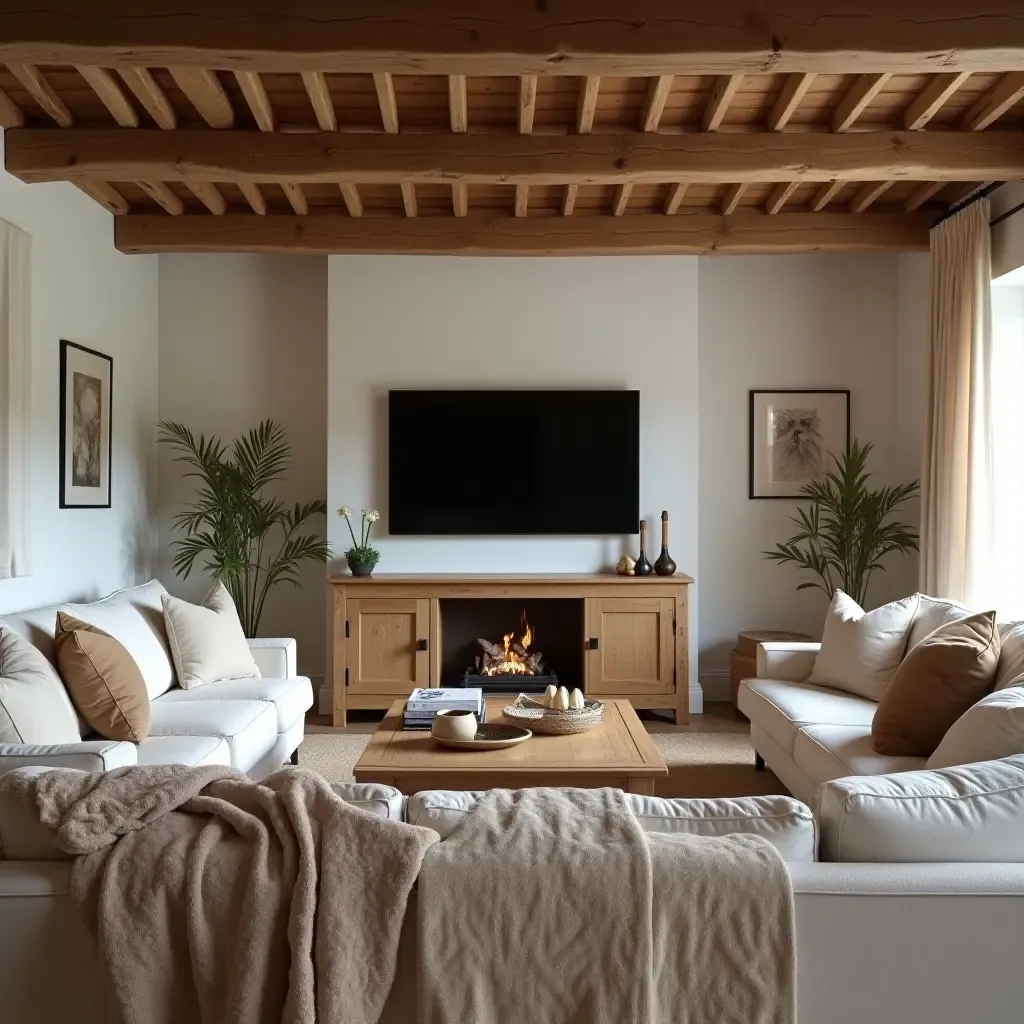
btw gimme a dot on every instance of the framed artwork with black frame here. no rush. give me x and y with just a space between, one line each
793 435
86 379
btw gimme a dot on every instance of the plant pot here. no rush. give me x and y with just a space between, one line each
362 561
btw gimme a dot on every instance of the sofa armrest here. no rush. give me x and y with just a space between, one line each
275 657
88 756
789 661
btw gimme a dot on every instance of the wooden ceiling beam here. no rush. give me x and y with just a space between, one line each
255 198
460 200
111 95
203 90
689 234
153 99
256 96
319 95
569 200
621 200
409 198
296 197
732 197
1008 91
457 107
587 104
384 85
826 194
867 194
161 194
117 155
654 104
574 37
527 103
35 83
522 205
675 197
11 115
106 195
210 196
930 100
922 194
781 195
721 96
857 99
353 201
793 91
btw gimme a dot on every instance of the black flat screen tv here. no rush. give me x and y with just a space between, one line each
513 462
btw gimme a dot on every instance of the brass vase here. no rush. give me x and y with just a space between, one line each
664 566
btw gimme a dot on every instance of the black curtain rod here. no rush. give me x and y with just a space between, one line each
1006 215
970 200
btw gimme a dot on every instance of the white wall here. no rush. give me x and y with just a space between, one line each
243 338
540 322
1008 235
828 321
85 291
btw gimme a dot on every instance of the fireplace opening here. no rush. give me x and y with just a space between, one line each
512 646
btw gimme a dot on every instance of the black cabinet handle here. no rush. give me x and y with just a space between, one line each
592 643
421 645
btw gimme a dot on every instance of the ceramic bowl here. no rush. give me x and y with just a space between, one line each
454 725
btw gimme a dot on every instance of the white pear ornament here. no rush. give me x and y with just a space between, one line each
561 701
576 700
548 700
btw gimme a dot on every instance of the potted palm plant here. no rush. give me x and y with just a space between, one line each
848 529
247 538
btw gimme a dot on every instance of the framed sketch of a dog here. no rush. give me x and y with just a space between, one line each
793 435
86 377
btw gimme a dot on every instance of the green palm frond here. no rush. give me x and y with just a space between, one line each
846 533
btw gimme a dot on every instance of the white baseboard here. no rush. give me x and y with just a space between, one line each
696 699
716 685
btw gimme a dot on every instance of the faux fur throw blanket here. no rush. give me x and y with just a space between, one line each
216 899
552 906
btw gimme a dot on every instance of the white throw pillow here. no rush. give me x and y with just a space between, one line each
207 641
1011 655
861 650
992 729
34 706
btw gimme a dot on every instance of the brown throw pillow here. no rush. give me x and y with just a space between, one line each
949 671
103 680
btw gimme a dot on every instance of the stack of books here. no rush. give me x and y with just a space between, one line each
423 704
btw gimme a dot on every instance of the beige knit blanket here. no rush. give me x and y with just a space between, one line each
551 906
215 899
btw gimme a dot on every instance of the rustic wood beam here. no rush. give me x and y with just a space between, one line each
527 103
930 99
409 198
353 201
826 194
384 84
621 199
654 104
688 234
522 200
569 200
457 103
588 104
779 197
793 91
573 37
856 100
34 82
210 196
867 194
922 194
1004 94
254 197
203 89
159 192
641 157
721 96
732 197
106 195
256 96
151 96
675 197
11 115
460 199
111 95
296 197
319 95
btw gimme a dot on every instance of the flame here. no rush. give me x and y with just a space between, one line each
513 663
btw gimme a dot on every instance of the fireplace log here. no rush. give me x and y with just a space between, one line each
495 651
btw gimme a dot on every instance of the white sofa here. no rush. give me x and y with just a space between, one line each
254 725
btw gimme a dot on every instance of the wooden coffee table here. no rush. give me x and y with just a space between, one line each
617 753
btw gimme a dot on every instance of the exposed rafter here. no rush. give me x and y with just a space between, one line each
1008 91
35 83
793 91
675 197
353 202
527 102
254 197
11 115
867 194
151 96
210 196
319 95
857 99
621 200
256 96
826 194
930 100
161 194
409 198
296 197
722 94
106 195
385 87
654 106
106 87
922 194
588 104
733 195
206 94
780 196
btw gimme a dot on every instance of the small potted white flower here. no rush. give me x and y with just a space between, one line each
361 557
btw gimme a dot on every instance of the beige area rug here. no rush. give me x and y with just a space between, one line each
700 763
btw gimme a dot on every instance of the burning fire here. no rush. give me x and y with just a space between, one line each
514 659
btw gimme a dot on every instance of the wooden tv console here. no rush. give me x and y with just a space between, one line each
388 634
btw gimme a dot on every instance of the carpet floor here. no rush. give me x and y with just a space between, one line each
711 758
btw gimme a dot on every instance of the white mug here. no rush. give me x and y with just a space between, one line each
454 725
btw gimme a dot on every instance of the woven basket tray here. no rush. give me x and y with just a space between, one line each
531 713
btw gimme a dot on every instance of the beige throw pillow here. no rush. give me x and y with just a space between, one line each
860 650
103 679
34 706
207 641
944 675
991 729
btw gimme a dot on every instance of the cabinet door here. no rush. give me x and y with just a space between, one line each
630 645
387 645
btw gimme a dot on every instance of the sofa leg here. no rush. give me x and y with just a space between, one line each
758 762
294 759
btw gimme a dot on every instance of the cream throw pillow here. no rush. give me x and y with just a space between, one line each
991 729
34 706
207 641
861 650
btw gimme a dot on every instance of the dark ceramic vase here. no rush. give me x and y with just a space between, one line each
643 567
664 566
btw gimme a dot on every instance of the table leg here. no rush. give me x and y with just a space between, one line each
641 786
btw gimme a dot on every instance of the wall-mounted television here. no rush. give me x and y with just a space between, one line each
513 462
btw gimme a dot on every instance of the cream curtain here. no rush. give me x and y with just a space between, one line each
15 307
957 485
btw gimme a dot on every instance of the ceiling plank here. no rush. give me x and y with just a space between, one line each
384 84
826 194
589 88
856 100
642 37
457 102
106 195
206 94
621 200
353 201
11 115
780 196
922 194
867 194
34 82
522 200
409 198
654 104
569 200
930 100
151 96
159 192
460 199
254 197
319 95
210 196
294 194
527 103
256 96
116 155
793 91
721 96
690 234
106 87
732 197
1008 91
675 197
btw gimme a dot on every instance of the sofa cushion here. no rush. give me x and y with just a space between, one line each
37 626
192 751
992 728
1011 655
291 698
826 752
970 813
860 650
249 726
786 823
933 612
135 617
34 706
947 672
781 707
383 801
